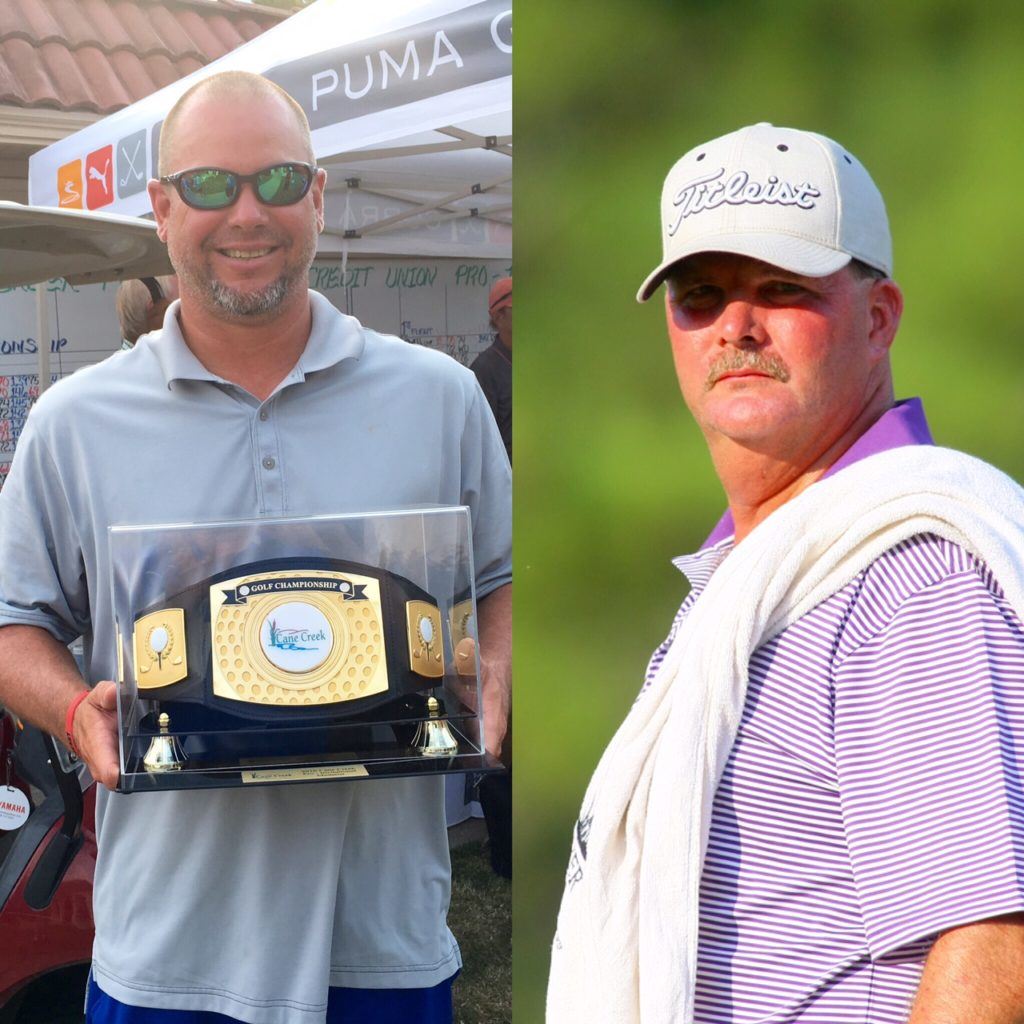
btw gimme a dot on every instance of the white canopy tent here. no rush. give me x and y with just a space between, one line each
410 107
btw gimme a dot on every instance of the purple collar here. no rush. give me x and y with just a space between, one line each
901 425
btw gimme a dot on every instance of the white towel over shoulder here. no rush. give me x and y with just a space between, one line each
626 947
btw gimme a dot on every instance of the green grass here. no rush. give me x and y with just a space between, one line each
481 918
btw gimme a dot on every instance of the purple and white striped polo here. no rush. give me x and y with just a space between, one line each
873 795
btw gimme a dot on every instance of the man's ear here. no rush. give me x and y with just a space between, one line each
885 309
319 183
161 202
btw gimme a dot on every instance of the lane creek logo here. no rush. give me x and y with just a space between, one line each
293 639
709 191
296 636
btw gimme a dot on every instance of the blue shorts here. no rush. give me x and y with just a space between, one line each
344 1006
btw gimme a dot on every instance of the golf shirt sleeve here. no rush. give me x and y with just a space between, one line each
487 490
929 737
42 571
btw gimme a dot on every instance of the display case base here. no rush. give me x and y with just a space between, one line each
295 771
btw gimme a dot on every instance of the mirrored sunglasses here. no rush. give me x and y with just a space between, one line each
213 188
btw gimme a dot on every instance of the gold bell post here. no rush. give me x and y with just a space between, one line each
433 737
165 753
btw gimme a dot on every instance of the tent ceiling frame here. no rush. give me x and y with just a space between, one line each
428 207
402 197
398 195
493 214
499 143
460 141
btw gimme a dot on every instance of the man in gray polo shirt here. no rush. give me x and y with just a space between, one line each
265 905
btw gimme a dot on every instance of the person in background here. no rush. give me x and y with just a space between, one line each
493 367
141 304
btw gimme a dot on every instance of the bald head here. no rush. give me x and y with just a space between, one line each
226 87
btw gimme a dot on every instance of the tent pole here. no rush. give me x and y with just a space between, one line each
43 336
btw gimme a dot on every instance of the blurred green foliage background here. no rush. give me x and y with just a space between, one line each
611 477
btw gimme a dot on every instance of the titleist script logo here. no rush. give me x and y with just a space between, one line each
710 191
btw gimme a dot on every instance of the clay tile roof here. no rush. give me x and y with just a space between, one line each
101 55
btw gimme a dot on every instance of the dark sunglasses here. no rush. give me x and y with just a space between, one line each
213 188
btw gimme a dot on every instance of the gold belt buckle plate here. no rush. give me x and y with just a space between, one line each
158 642
297 637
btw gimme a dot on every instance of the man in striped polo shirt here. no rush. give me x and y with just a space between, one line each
813 811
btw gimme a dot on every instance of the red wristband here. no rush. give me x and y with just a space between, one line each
69 722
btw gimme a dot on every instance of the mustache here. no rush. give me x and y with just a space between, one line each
770 365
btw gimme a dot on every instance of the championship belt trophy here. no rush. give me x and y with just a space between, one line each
298 661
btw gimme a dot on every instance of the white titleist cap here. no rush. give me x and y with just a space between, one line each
793 199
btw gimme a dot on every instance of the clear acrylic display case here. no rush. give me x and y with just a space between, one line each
280 650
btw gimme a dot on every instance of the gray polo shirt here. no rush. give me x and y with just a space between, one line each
252 902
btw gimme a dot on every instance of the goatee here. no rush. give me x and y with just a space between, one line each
248 304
